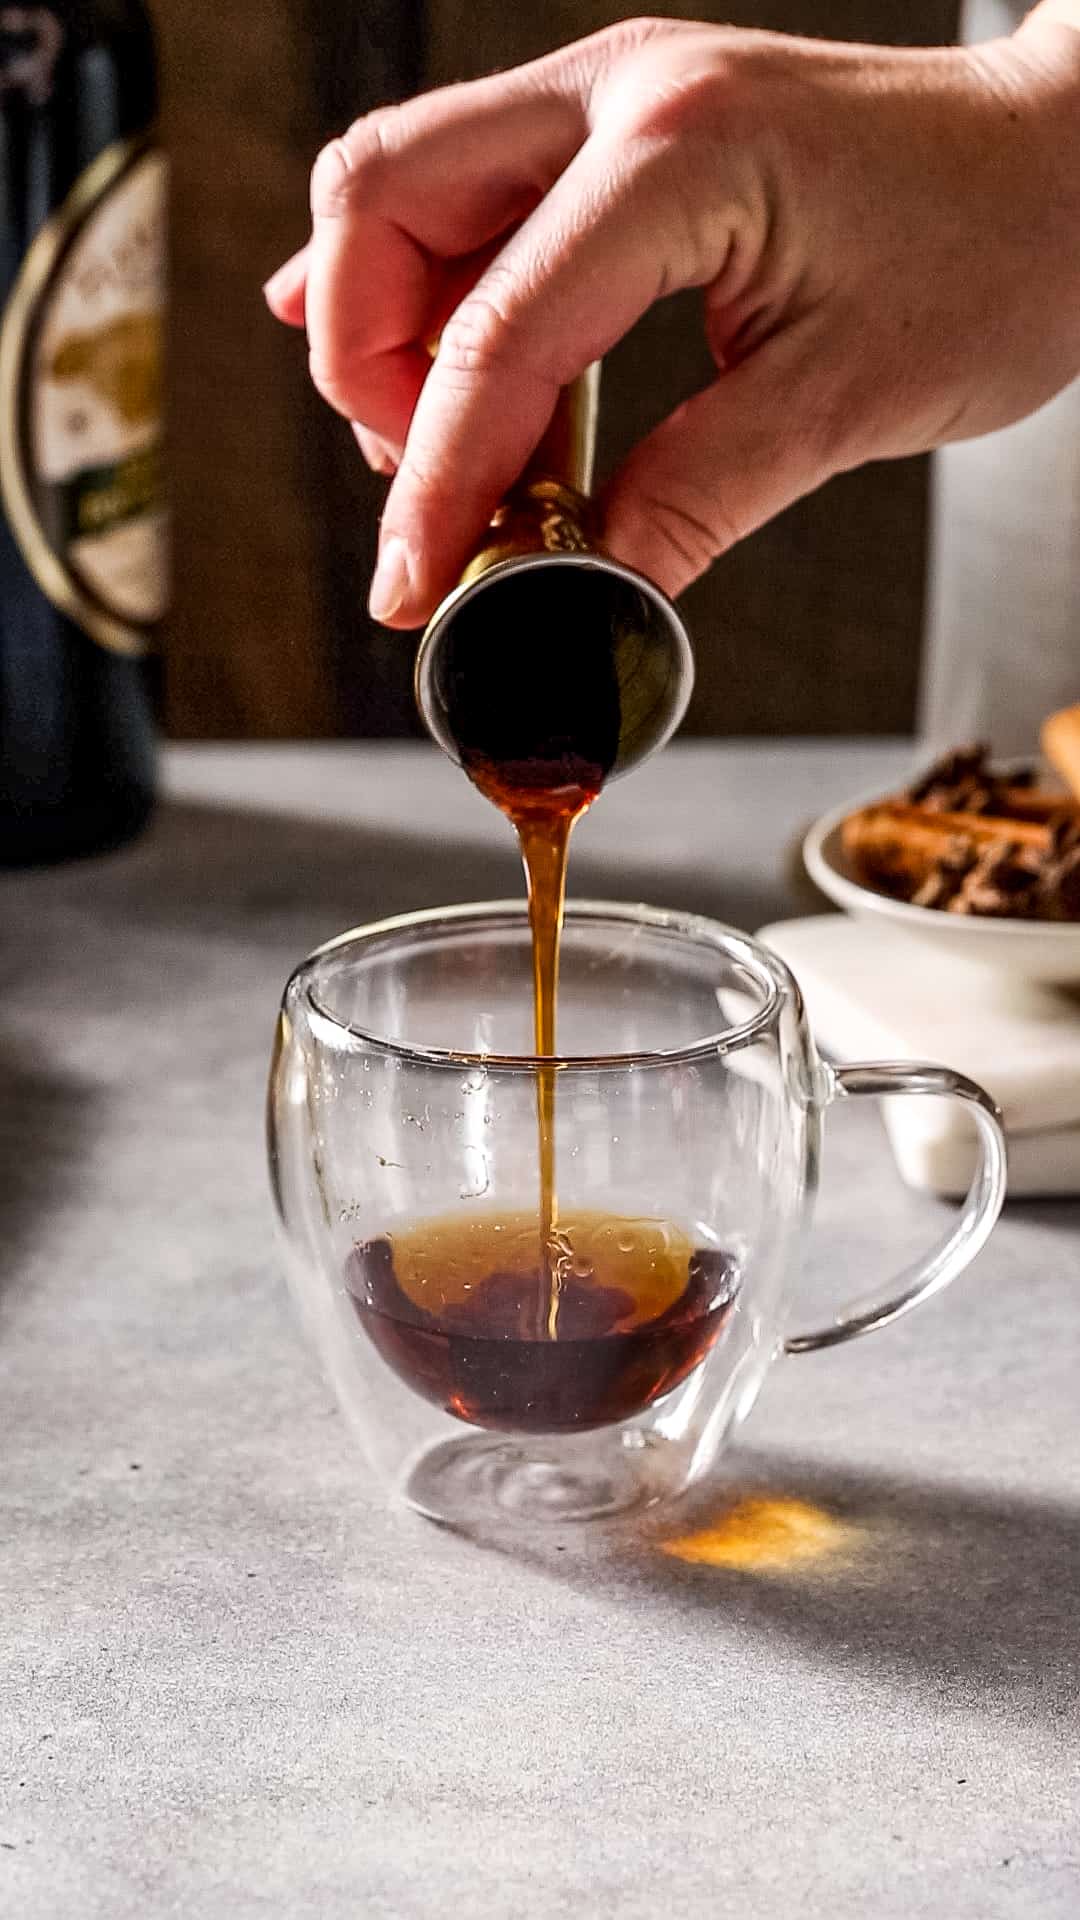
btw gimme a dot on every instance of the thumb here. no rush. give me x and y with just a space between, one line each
595 252
721 465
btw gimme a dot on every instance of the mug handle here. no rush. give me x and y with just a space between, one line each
981 1207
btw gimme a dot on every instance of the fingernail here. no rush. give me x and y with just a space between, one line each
286 282
381 457
277 280
390 584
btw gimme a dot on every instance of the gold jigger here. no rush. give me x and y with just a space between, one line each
493 674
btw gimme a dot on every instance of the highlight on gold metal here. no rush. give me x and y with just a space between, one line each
41 258
548 511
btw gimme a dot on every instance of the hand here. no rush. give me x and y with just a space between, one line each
885 241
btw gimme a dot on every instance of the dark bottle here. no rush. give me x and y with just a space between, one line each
82 515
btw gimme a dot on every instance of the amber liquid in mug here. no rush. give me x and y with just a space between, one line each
460 1309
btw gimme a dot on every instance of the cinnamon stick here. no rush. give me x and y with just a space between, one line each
898 846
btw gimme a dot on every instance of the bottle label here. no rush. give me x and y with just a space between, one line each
81 468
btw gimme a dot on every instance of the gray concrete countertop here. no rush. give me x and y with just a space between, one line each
236 1685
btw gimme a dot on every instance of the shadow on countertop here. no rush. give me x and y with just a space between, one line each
934 1589
47 1122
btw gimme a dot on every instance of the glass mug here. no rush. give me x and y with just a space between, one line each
689 1101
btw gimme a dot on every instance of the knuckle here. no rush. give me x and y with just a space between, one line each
329 178
609 43
694 531
686 97
352 163
599 60
422 500
476 337
639 29
670 79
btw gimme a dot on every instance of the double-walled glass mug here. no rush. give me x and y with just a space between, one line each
487 1373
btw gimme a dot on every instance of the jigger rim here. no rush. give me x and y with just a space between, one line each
767 974
588 561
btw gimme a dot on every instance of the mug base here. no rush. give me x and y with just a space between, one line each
480 1479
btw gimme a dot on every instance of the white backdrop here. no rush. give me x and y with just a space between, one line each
1003 633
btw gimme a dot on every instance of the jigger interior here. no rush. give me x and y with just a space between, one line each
550 655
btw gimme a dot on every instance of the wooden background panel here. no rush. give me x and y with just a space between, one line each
811 626
275 515
360 53
243 650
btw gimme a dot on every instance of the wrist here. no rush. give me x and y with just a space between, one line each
1056 16
1034 77
1042 58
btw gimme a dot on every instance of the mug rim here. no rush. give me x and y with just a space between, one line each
769 973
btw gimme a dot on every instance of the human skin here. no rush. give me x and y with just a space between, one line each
887 243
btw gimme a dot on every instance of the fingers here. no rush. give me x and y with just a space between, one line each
405 191
600 248
724 463
524 212
284 291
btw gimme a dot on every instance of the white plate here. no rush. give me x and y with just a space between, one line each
1028 949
